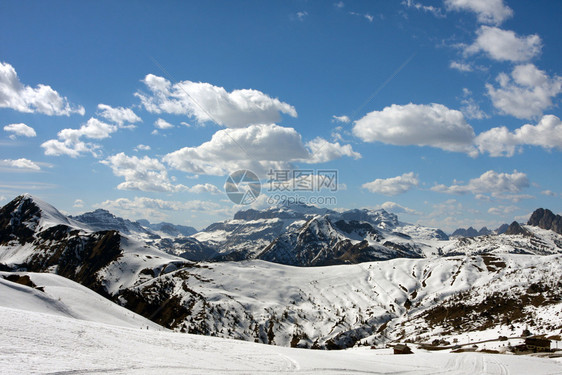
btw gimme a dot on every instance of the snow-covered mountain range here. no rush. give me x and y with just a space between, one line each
394 281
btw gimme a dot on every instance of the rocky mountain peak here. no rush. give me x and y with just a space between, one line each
515 228
546 219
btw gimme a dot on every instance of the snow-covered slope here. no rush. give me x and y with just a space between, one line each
53 294
35 343
339 306
324 307
531 240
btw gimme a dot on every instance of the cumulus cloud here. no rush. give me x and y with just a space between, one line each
393 186
470 107
204 188
322 151
154 208
526 94
502 142
502 210
344 119
205 102
163 124
144 174
119 115
549 193
487 11
142 147
21 163
432 125
460 66
20 129
22 98
499 185
398 209
70 141
258 148
78 203
504 45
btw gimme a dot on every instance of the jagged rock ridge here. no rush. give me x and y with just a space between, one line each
544 218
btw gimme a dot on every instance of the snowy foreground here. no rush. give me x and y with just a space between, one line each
39 343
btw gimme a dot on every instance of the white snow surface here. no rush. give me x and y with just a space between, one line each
39 343
63 297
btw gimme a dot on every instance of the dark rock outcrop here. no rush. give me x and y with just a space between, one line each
546 219
515 228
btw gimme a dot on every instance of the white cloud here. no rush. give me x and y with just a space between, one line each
504 45
257 148
163 124
487 11
344 119
205 102
549 193
22 98
502 210
142 147
436 11
20 130
501 142
460 66
204 188
20 164
470 108
78 203
301 15
499 185
423 125
367 16
526 94
339 4
322 151
119 115
398 209
393 186
144 174
143 207
70 143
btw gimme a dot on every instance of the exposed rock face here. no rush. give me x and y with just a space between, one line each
545 219
18 220
471 232
320 242
515 228
502 228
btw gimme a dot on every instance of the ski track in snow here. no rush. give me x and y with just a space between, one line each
38 343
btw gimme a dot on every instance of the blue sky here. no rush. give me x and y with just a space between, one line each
445 112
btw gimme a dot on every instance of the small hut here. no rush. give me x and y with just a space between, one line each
402 349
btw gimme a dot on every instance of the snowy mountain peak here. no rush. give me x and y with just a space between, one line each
293 211
101 219
381 218
29 214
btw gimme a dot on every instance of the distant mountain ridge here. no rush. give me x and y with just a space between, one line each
101 219
408 295
304 235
